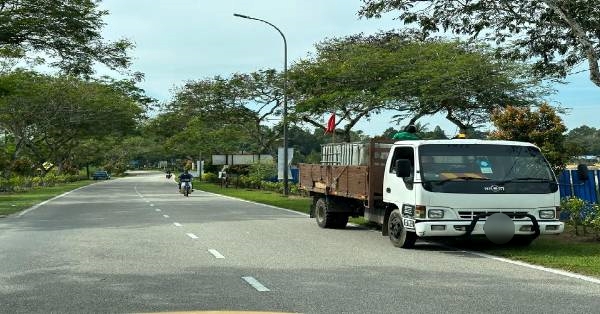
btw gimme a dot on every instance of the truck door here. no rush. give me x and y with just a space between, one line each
398 190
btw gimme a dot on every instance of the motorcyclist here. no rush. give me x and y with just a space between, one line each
168 174
185 175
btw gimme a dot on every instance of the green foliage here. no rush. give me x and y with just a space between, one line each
585 140
575 207
358 76
67 31
210 177
47 117
26 183
543 128
555 35
259 172
582 214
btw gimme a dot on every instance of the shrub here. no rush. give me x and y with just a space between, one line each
50 179
210 177
37 181
580 212
592 219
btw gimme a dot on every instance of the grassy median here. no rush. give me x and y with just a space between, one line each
577 254
15 202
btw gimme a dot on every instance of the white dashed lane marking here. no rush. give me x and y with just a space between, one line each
191 235
216 253
255 284
166 216
177 224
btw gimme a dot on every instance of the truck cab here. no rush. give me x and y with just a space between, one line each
449 188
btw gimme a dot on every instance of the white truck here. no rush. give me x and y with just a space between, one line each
435 188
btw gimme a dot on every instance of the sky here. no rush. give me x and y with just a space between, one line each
181 40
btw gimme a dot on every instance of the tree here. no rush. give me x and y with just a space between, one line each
556 35
343 77
543 128
67 31
357 76
586 139
48 116
247 101
436 134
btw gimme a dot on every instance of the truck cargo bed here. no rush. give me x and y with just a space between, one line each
347 181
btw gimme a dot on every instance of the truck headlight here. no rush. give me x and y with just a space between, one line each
436 213
547 214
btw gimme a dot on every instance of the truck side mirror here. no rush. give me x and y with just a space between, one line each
582 172
403 168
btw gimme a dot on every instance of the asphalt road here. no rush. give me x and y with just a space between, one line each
136 245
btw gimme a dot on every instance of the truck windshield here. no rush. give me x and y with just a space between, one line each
485 168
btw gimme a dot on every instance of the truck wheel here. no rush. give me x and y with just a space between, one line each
399 236
325 218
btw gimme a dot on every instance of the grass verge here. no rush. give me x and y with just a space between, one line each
565 251
297 203
15 202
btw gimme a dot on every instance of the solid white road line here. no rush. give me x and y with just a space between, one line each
191 235
177 224
34 207
216 253
255 284
166 216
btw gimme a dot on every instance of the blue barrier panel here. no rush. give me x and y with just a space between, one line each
295 174
564 184
585 190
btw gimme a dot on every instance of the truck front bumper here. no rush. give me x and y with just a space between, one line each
454 228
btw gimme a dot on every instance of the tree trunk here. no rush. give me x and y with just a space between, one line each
582 38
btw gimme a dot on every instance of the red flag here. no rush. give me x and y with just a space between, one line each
330 124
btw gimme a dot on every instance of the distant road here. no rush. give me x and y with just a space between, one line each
136 245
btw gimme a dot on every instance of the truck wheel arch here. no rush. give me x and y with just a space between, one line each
386 218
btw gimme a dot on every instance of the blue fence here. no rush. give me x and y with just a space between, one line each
570 185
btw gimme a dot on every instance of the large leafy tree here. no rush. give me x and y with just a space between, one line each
242 102
542 127
586 139
358 76
556 35
48 116
463 82
69 32
345 77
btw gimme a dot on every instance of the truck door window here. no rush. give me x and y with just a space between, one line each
402 153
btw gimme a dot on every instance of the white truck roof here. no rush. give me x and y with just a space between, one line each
464 141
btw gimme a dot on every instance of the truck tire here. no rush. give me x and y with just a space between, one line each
325 218
399 236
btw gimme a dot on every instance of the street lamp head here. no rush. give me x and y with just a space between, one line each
242 16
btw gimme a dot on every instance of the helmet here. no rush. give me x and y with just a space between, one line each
461 135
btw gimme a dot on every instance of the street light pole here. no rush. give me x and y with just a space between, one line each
285 126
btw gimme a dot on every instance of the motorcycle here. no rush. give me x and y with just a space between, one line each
186 187
168 176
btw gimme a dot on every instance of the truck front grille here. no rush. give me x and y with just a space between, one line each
470 214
